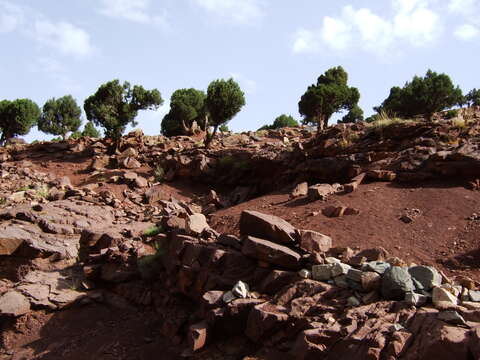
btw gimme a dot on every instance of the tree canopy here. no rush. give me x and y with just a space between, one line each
473 97
17 117
115 105
354 114
186 107
281 122
60 116
224 100
329 95
422 96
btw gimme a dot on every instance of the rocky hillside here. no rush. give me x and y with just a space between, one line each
361 242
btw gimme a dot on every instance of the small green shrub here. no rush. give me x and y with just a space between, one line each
23 188
159 173
152 231
459 123
43 191
450 114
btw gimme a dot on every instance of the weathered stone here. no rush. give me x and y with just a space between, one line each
197 336
14 303
415 299
141 182
276 280
305 274
8 245
370 281
130 163
228 297
381 175
196 224
334 211
270 252
320 191
354 183
442 298
427 276
322 272
377 266
299 190
474 295
354 275
241 290
314 242
154 195
452 317
230 241
340 269
396 282
268 227
353 301
264 320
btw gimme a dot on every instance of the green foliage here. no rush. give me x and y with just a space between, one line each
331 94
186 106
90 130
224 100
76 135
422 96
451 114
17 117
473 98
158 173
224 128
60 116
281 122
152 231
115 105
355 114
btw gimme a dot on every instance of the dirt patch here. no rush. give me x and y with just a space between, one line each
439 235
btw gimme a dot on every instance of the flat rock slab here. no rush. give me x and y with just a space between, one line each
265 226
14 303
270 252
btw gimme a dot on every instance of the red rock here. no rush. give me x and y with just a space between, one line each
314 242
131 163
270 252
265 226
264 320
197 336
334 211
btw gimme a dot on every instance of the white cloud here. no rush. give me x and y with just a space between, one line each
132 10
64 37
11 16
249 86
466 7
413 22
305 41
466 32
336 33
238 11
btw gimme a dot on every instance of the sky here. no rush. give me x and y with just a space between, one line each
274 49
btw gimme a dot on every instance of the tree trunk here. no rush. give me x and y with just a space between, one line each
186 129
320 123
205 126
209 137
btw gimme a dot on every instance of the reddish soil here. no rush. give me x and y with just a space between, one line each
441 235
89 332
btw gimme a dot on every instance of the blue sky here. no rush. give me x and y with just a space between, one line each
273 48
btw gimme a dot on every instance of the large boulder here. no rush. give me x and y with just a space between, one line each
273 228
270 252
396 282
314 242
427 277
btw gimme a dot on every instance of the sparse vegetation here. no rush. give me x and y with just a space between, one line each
115 105
224 100
281 122
60 116
383 120
17 118
159 173
329 95
152 231
450 114
422 96
187 106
